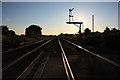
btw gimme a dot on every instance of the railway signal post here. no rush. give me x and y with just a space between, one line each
78 24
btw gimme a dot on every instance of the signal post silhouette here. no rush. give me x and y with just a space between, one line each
78 24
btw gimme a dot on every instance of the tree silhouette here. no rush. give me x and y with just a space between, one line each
4 29
106 30
87 31
33 31
11 33
114 30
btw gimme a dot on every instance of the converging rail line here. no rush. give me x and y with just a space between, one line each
11 55
59 58
87 66
12 63
20 61
66 64
41 71
97 55
28 68
23 46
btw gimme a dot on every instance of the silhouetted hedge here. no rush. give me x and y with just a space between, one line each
108 39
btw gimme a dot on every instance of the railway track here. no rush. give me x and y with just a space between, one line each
88 66
60 59
12 54
97 55
17 65
50 67
68 70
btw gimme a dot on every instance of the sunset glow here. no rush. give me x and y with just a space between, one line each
52 16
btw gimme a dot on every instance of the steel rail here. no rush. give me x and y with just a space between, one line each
23 56
18 78
22 46
97 55
66 63
30 67
44 66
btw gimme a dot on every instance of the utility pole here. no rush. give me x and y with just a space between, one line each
119 15
93 23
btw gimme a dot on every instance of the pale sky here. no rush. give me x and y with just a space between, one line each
52 16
